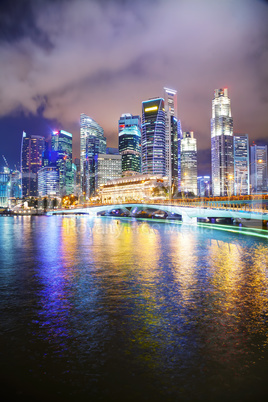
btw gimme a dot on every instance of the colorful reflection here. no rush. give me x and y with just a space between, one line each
113 307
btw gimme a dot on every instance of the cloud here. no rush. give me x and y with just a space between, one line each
104 57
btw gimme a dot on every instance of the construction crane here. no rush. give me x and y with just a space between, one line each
5 160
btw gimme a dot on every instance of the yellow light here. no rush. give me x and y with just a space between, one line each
150 109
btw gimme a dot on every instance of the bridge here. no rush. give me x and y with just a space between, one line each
189 214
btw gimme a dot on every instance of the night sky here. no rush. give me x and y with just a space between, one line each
103 58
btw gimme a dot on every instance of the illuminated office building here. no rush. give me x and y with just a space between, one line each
61 150
89 128
188 163
89 183
31 161
203 186
179 153
172 146
222 155
108 167
4 186
48 181
15 184
112 151
77 181
153 137
241 164
129 141
258 169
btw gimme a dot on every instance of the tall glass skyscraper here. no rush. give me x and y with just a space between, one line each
4 186
129 143
241 164
15 184
31 161
153 138
222 155
170 98
61 146
89 128
90 182
188 163
258 168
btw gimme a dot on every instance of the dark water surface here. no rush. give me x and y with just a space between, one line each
111 310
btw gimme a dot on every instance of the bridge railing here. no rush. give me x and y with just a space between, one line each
194 203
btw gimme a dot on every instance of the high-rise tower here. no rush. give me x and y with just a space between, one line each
153 137
241 164
129 143
31 161
89 128
170 97
258 168
61 146
222 156
188 163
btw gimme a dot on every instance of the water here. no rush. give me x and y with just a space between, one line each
109 310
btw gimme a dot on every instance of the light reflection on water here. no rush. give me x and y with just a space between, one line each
114 309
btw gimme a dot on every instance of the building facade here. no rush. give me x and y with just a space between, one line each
61 149
89 128
203 186
172 148
222 155
109 167
49 182
15 184
153 138
258 168
241 164
90 182
188 163
4 186
31 161
137 187
129 143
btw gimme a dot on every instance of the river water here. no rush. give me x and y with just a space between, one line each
104 309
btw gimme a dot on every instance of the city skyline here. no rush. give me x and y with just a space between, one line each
62 65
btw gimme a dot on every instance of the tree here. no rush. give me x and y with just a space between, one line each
45 203
54 203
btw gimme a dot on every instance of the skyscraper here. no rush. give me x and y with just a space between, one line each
89 128
61 146
153 138
90 182
109 167
48 181
258 168
31 161
15 184
241 164
4 186
170 98
222 156
203 186
129 143
188 163
77 181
